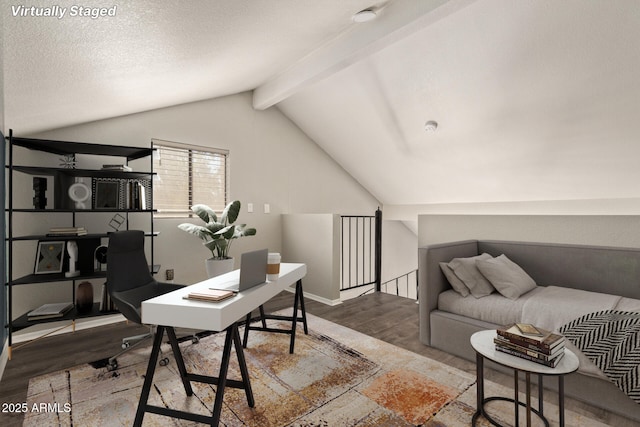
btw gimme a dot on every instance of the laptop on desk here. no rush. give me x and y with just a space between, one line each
253 271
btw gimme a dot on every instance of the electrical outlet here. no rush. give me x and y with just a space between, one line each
169 274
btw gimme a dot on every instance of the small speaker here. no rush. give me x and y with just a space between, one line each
39 189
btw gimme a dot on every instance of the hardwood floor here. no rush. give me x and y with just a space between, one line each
386 317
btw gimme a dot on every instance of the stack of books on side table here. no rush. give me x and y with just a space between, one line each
531 343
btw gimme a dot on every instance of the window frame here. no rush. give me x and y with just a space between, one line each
156 145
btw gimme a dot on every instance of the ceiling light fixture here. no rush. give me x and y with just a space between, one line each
365 15
431 126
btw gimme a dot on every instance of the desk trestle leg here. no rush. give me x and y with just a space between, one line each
294 319
232 338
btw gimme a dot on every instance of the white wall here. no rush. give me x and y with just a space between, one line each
605 230
271 161
610 222
627 206
315 240
399 249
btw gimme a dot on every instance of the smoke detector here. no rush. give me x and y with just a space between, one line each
365 15
431 126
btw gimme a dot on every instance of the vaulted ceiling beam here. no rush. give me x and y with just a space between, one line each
396 20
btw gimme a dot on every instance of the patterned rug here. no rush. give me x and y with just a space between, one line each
337 377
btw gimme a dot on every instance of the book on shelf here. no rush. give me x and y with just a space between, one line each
552 363
117 167
106 303
67 231
50 311
544 344
136 196
210 295
501 341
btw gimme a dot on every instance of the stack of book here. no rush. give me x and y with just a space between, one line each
67 231
50 311
136 195
210 295
118 167
531 343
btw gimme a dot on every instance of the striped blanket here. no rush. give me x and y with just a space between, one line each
611 340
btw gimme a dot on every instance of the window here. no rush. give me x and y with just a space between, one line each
188 175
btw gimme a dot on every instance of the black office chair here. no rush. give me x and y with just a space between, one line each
129 282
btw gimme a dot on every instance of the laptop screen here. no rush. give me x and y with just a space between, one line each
253 269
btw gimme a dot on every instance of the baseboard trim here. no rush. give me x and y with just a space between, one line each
314 297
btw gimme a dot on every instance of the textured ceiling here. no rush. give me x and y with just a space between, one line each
153 54
535 99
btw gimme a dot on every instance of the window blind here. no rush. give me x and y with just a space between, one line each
188 175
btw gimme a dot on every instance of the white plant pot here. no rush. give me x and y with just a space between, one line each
216 267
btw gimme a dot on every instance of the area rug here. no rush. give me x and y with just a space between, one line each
337 377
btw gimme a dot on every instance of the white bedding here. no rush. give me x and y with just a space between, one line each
493 308
547 307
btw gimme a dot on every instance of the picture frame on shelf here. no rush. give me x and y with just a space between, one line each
106 194
49 257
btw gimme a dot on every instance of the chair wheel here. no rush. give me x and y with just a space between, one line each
195 340
112 366
164 362
125 345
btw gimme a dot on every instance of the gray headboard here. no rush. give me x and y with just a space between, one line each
592 268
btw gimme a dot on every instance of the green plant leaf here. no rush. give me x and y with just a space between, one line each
197 230
227 232
205 213
218 232
231 212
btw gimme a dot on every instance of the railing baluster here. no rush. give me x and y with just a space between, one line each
358 251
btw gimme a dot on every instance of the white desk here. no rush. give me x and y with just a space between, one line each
182 313
173 310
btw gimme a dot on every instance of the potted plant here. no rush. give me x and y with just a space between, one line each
218 233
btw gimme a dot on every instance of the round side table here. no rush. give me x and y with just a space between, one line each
482 343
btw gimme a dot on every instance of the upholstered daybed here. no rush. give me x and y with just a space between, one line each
569 281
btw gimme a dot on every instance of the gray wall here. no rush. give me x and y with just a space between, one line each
315 240
271 161
606 230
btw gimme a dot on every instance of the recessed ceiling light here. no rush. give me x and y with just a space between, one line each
365 15
431 126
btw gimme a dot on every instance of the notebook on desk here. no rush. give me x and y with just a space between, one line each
253 271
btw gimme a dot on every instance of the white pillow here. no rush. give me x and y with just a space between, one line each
466 270
506 276
455 283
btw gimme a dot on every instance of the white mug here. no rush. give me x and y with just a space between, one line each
273 266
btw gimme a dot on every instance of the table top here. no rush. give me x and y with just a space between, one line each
172 309
482 342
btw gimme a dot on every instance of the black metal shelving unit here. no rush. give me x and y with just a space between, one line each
63 178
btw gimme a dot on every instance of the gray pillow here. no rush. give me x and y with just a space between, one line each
506 276
466 270
455 283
